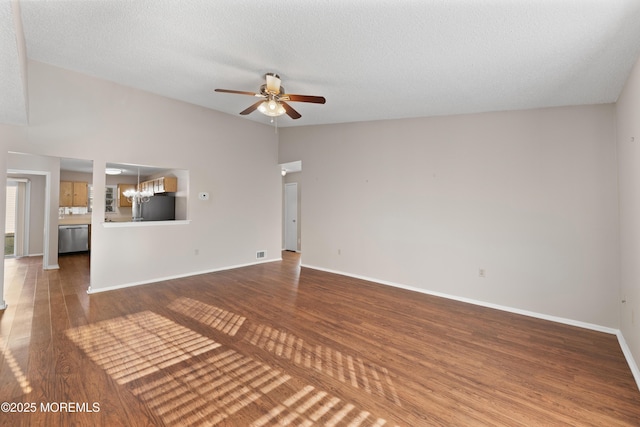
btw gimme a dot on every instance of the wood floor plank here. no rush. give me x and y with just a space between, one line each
277 344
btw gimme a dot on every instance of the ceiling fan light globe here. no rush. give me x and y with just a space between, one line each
271 108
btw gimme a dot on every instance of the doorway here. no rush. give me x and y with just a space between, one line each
17 218
291 216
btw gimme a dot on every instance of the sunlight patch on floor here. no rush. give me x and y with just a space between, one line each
15 368
348 369
210 390
137 345
217 318
309 407
207 390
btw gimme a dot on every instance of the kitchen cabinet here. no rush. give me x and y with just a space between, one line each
74 194
165 184
80 194
66 193
123 202
146 186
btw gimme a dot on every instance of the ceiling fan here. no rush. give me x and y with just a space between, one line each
273 102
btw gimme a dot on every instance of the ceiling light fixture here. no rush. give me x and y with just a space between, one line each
113 171
283 172
271 108
137 197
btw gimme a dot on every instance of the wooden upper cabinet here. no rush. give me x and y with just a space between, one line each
74 194
123 202
80 194
66 193
165 184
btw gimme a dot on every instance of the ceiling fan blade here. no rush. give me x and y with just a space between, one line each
290 111
251 109
304 98
240 92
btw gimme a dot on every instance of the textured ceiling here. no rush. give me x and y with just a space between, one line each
13 103
371 59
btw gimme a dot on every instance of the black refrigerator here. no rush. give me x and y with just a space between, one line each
159 208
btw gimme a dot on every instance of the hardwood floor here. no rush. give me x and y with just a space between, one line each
275 344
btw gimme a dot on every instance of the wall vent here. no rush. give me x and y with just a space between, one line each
261 254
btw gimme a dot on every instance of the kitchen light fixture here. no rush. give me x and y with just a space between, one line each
137 197
113 171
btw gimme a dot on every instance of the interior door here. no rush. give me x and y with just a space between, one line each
291 216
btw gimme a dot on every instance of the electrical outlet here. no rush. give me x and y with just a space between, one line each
482 273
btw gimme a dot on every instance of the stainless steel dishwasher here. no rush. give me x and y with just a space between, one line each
73 238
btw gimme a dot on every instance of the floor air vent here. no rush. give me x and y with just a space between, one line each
261 254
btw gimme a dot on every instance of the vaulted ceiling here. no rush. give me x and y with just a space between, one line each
372 60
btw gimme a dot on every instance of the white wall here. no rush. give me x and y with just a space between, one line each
628 132
74 115
529 196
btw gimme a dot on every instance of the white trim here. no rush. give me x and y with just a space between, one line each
90 290
4 305
47 223
119 224
599 328
51 267
630 360
27 214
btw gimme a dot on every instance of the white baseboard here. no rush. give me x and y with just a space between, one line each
4 305
91 290
599 328
630 360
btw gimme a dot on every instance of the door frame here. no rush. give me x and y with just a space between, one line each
47 211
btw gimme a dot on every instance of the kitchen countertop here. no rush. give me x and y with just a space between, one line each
119 219
86 219
74 220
